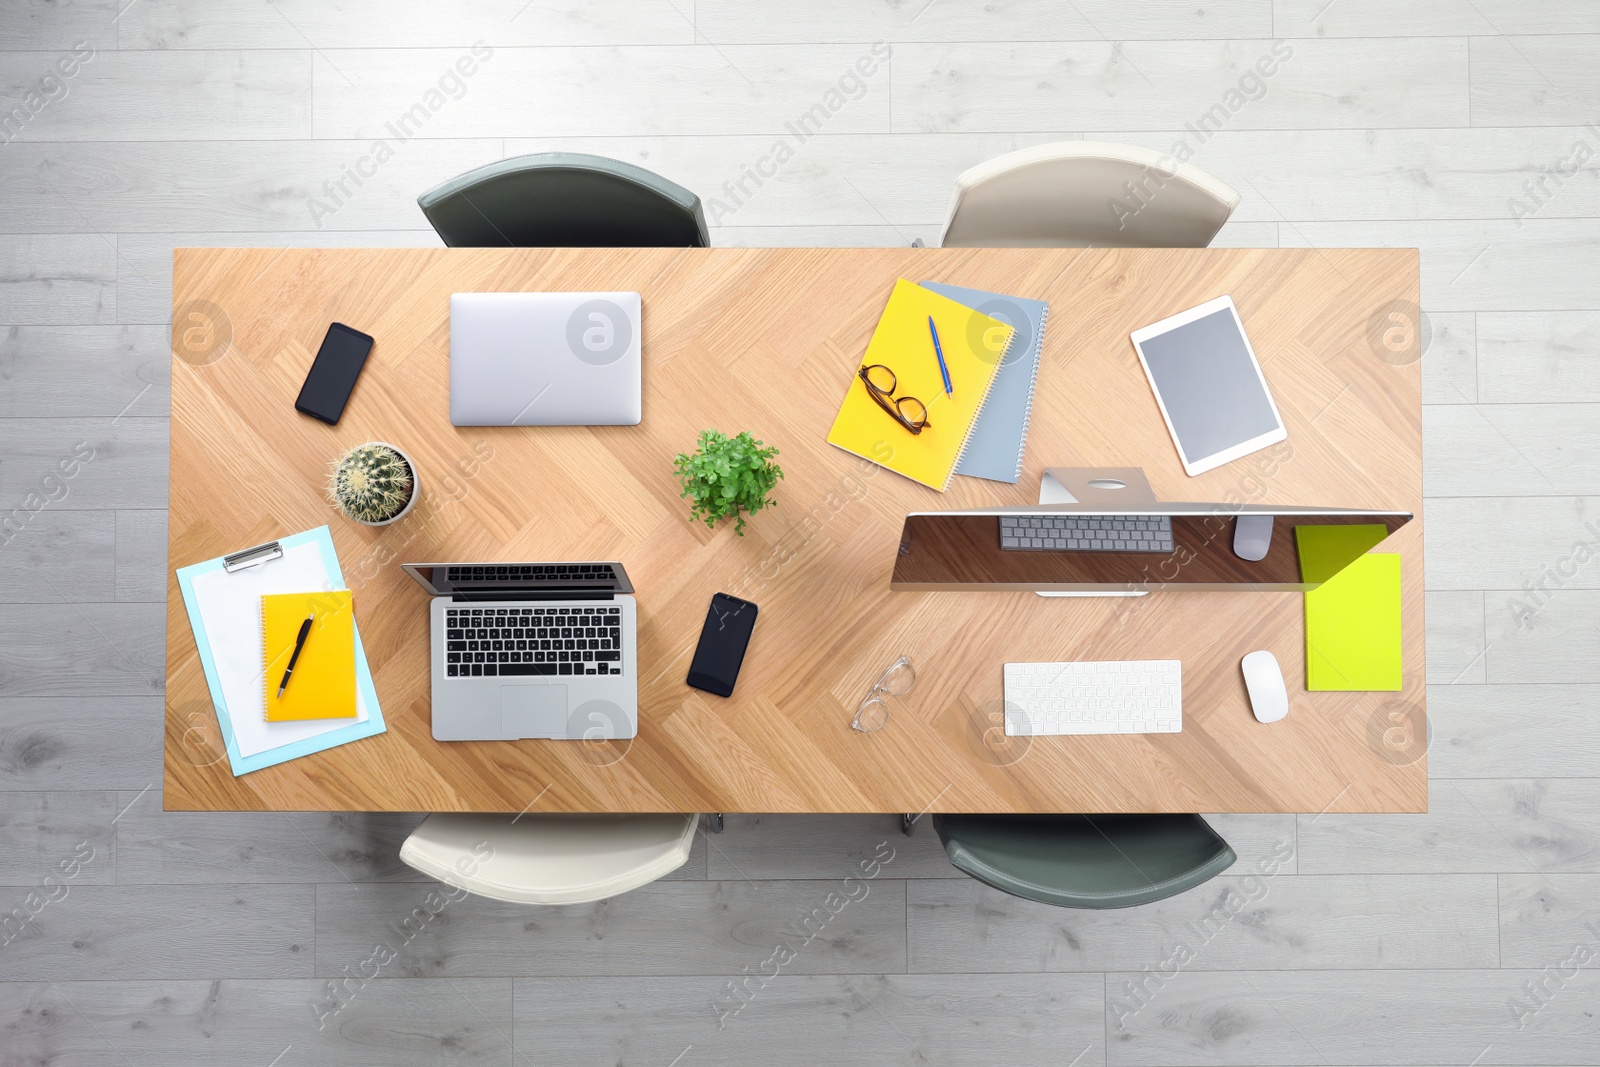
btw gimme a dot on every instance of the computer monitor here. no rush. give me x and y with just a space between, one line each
1168 545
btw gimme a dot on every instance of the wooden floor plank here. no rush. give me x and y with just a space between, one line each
104 932
1535 730
1535 80
632 89
239 94
51 279
200 1023
81 464
1347 1017
1545 923
141 556
785 1020
78 742
65 556
1542 637
726 21
1162 85
668 928
1455 638
45 25
164 24
65 371
1251 918
1551 543
1430 18
55 841
82 650
1520 825
1536 357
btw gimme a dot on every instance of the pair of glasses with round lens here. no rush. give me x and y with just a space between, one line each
873 713
908 411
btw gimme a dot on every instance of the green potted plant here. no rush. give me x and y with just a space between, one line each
374 484
726 477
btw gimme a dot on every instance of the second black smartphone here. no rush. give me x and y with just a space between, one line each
723 639
333 373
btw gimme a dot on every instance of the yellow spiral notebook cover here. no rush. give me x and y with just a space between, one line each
974 347
324 682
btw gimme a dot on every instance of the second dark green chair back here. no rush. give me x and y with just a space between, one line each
564 200
1083 861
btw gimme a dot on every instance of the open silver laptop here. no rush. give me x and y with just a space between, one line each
531 650
545 359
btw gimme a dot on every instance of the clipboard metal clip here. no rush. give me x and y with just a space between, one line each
252 557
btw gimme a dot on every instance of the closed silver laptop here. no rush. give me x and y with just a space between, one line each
545 359
531 650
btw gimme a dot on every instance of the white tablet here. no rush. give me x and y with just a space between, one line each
1208 385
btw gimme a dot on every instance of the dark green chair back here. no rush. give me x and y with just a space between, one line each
1084 861
564 200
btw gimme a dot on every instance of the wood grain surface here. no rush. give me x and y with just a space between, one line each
766 340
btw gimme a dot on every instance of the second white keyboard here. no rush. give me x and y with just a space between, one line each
1142 696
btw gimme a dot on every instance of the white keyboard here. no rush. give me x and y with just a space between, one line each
1086 533
1141 696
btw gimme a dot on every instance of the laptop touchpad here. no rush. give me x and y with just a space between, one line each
533 711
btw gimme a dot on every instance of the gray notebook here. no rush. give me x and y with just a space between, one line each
995 444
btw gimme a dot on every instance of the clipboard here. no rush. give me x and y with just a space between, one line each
223 598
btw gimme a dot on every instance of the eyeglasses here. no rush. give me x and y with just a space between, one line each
873 713
908 411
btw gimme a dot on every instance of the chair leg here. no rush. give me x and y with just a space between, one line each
714 822
908 823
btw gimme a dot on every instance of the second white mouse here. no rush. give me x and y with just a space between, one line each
1252 537
1264 682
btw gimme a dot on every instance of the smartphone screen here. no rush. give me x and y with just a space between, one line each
333 373
723 639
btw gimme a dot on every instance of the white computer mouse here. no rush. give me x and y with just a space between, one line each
1252 537
1264 682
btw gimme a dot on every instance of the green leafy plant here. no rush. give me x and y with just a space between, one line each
371 483
727 476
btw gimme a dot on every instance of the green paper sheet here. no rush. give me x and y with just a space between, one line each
1353 627
1326 550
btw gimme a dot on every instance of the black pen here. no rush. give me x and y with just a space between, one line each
299 643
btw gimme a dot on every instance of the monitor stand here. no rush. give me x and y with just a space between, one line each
1107 487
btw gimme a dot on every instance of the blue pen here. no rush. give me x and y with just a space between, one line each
944 371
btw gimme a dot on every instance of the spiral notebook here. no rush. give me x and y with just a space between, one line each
974 346
1000 435
323 682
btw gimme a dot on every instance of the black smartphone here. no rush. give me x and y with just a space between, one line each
723 639
333 373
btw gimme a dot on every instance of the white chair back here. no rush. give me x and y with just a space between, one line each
548 858
1086 194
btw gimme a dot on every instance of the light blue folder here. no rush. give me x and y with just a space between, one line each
994 448
241 763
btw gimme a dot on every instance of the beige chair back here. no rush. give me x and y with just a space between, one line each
1086 194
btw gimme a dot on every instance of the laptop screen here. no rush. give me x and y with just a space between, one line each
499 579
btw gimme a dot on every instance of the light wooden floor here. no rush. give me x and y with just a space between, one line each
1468 935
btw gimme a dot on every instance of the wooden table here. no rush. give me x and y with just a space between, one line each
766 340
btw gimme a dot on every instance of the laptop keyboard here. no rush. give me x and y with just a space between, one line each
506 642
534 572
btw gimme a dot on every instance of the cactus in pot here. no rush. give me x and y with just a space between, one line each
374 484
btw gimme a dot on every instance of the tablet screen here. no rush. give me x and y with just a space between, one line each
1209 385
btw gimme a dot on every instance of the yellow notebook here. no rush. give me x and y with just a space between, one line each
974 347
324 682
1327 550
1353 627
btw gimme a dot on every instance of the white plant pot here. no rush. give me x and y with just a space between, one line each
416 489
